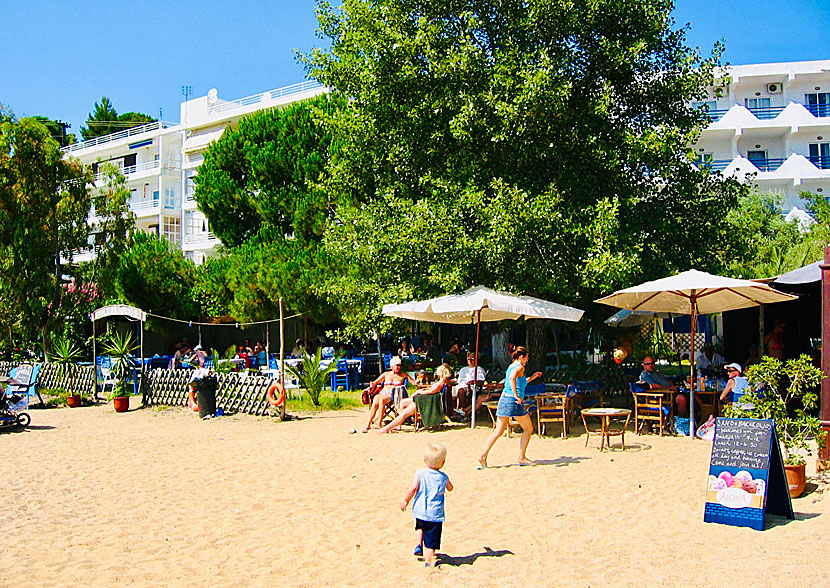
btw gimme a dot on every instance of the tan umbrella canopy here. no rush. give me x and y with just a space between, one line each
481 304
694 292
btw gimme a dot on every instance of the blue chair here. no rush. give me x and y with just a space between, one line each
340 377
387 357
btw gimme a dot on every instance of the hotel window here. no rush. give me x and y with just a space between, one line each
708 105
169 198
173 229
820 155
757 103
818 103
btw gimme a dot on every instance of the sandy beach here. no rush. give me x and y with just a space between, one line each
155 497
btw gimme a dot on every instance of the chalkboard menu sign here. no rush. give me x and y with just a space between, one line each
746 474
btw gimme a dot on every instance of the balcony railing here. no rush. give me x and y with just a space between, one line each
116 136
818 109
713 164
200 237
272 95
716 115
131 169
766 112
767 165
820 161
145 205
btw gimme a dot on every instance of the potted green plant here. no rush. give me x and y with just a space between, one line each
786 392
120 348
311 377
66 354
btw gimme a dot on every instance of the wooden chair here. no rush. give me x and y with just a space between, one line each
391 409
552 408
438 405
491 406
650 406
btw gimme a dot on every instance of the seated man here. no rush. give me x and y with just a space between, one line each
466 376
657 381
708 360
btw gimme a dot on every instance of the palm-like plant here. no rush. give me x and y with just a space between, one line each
311 378
120 348
66 355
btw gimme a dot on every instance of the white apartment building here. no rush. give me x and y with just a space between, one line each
159 161
771 120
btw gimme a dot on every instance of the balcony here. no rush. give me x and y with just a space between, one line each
204 238
132 169
153 126
767 165
272 95
716 115
766 112
818 110
713 164
820 161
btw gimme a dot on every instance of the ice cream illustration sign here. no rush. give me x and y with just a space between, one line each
746 474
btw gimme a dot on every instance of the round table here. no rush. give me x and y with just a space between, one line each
607 427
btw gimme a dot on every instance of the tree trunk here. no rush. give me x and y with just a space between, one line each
537 344
499 343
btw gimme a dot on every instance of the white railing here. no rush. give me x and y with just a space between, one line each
145 205
159 124
200 238
131 169
299 88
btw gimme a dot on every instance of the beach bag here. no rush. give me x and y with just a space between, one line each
370 392
681 426
706 431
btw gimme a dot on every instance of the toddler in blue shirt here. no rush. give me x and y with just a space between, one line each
428 488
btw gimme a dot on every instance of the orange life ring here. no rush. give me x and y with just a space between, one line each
276 402
192 404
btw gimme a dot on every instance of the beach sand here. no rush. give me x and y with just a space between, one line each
156 497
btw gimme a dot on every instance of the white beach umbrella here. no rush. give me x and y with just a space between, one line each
694 292
480 304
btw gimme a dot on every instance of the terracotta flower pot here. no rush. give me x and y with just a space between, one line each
73 400
121 403
796 479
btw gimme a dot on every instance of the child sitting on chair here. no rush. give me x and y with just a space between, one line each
428 488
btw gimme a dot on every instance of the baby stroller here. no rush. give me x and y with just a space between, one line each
13 405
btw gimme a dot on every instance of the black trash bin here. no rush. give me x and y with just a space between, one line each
206 395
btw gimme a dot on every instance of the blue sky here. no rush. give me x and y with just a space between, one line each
60 56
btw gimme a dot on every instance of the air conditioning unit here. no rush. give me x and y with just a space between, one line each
774 88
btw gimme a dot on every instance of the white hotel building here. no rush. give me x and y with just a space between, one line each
159 161
771 120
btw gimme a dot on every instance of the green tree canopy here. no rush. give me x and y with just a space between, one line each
154 276
539 146
104 120
260 188
44 204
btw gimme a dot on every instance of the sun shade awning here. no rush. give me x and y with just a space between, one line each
803 275
202 140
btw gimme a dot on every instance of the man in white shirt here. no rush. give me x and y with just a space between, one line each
709 359
466 376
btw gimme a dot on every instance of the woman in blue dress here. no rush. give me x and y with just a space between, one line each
511 406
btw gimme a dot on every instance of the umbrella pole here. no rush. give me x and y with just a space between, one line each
693 300
475 370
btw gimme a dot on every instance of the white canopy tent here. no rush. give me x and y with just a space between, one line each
694 292
481 304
